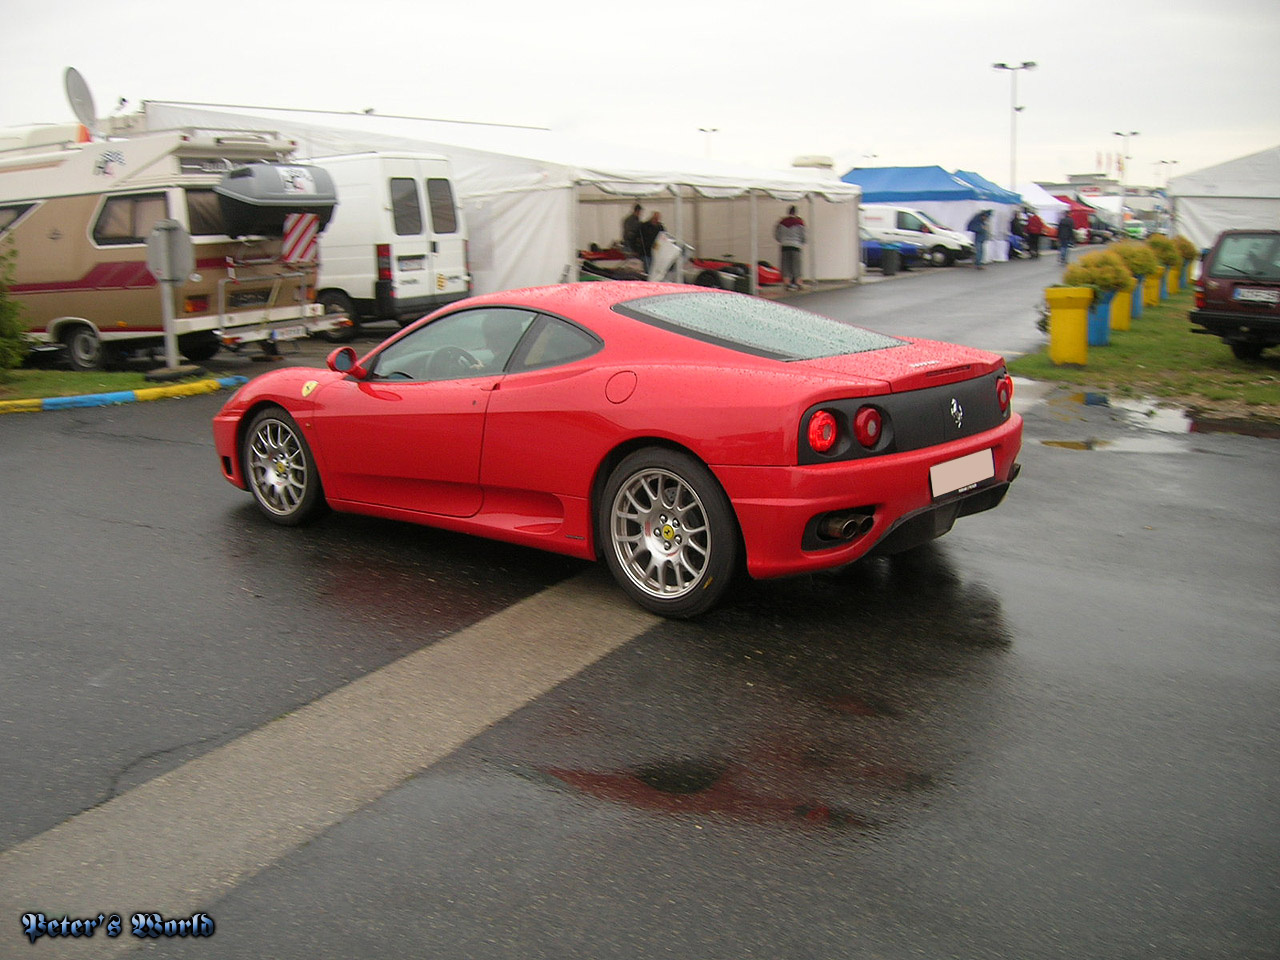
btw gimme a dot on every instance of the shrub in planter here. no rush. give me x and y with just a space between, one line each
1164 249
1102 270
1138 257
1186 249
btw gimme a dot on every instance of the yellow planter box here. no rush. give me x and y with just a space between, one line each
1151 289
1121 310
1069 324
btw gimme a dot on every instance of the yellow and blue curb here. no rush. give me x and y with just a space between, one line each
191 389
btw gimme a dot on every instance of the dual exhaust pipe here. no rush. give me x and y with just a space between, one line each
846 525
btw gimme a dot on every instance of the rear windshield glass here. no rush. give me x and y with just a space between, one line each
759 327
1251 256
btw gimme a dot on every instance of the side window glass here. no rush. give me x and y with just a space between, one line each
406 208
909 221
129 219
204 216
555 342
10 215
444 215
470 343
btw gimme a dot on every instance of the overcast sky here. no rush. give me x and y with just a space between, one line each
867 82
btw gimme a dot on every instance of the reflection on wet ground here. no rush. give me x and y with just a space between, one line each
839 701
1148 415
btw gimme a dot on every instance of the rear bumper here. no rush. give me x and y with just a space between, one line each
776 506
1239 327
388 306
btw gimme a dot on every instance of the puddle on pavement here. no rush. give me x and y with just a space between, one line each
1162 423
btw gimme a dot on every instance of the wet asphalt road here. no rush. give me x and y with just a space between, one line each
1051 734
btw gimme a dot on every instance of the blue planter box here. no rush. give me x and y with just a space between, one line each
1100 319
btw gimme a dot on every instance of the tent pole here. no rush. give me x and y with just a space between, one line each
675 188
753 287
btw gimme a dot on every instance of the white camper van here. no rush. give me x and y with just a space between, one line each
78 213
938 245
397 246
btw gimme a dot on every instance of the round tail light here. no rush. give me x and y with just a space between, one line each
823 431
1004 393
868 425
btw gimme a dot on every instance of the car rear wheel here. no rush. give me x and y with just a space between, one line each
668 532
1247 351
280 469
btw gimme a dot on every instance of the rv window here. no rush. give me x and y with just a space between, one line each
406 210
129 219
204 216
444 217
12 214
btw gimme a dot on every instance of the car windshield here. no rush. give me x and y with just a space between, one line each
759 327
1252 255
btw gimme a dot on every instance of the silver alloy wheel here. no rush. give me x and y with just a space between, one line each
660 533
277 467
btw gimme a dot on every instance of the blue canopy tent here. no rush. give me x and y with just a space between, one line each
950 198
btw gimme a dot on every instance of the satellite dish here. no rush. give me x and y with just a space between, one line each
81 99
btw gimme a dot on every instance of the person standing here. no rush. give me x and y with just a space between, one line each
789 233
1035 230
632 243
649 231
1066 235
979 226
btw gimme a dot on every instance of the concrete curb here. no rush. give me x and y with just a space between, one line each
192 389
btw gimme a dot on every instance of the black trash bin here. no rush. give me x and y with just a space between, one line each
889 261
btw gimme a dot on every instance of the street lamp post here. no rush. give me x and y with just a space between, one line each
1124 160
1014 110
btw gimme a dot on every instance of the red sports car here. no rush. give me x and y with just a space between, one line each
679 433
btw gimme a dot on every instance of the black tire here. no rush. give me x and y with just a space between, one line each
1247 351
941 257
199 347
84 347
668 532
708 278
279 469
335 301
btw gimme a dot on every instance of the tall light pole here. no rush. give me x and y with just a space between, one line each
1014 110
706 141
1124 158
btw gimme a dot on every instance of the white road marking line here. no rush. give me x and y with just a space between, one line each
174 844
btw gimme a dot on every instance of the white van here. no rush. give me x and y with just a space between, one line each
938 245
396 247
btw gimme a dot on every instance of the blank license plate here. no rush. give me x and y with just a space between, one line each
1256 295
964 472
289 333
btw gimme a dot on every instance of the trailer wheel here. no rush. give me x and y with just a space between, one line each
708 278
335 301
84 348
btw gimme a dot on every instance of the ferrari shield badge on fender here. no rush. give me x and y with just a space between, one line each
312 384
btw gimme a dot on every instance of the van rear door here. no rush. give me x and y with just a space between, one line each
451 277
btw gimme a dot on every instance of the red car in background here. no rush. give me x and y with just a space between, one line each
677 433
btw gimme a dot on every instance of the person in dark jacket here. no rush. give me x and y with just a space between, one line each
789 233
1066 235
980 226
649 231
632 243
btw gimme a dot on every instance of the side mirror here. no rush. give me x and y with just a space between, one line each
343 360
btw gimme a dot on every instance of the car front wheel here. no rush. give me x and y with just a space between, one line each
668 533
280 469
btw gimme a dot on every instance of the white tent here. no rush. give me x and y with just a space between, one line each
532 199
1244 192
1044 203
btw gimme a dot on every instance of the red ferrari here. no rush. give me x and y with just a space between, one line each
679 433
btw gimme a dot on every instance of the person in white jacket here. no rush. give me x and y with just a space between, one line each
790 236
